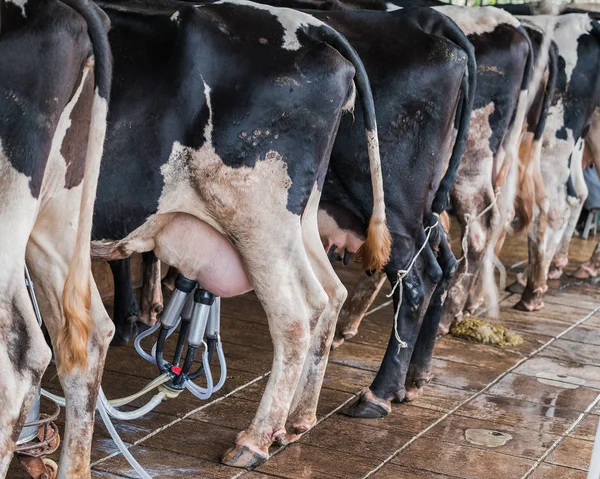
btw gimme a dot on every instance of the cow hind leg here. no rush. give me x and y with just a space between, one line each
354 310
477 238
575 206
293 299
24 355
419 371
48 257
375 401
303 412
545 236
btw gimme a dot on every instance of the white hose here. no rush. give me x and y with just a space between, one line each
120 444
138 340
53 397
163 378
223 365
111 428
129 415
199 392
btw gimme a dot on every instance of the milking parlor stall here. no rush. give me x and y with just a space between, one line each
299 239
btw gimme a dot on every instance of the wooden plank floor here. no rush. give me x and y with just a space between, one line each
551 424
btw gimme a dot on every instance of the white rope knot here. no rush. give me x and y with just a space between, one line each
402 273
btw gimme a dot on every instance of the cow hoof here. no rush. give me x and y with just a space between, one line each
555 273
368 406
244 457
529 306
416 379
300 426
337 342
413 393
366 410
340 337
122 336
443 329
284 438
585 272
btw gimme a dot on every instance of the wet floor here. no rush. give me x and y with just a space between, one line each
529 411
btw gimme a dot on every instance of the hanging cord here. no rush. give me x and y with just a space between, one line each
402 273
468 220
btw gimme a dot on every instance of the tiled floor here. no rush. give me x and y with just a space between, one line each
541 400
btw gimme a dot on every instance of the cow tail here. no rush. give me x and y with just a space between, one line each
516 123
441 199
375 252
526 189
72 344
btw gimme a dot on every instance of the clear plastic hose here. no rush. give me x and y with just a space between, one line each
138 340
120 444
222 364
130 415
199 392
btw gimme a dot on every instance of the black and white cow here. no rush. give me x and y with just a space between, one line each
504 59
222 122
489 165
530 147
418 106
55 75
560 197
416 99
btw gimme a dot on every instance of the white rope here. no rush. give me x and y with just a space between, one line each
468 220
402 274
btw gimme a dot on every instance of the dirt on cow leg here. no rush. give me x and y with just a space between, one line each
591 268
532 298
303 411
357 305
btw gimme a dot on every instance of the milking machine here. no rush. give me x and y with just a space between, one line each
196 314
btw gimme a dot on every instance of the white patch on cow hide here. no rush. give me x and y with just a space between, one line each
579 184
566 35
290 20
390 7
196 180
21 4
556 151
476 21
175 17
248 203
17 209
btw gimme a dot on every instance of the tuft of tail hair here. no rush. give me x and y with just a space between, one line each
375 251
72 342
